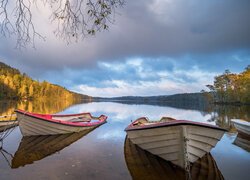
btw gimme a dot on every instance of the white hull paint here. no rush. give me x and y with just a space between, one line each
172 143
242 126
8 123
4 125
31 126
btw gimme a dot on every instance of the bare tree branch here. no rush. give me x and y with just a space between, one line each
24 27
74 19
6 27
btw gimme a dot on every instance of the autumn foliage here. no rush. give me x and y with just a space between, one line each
232 88
15 85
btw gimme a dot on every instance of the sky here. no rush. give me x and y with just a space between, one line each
154 47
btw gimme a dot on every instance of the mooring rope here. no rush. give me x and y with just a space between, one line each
186 161
5 153
4 134
7 129
187 164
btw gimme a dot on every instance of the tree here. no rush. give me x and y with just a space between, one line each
74 18
232 88
247 68
14 85
31 91
210 87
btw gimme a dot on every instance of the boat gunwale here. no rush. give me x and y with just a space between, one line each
241 122
7 121
102 119
131 127
242 127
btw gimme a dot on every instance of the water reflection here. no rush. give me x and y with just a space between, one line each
38 106
144 165
122 112
100 154
219 115
242 141
5 125
34 148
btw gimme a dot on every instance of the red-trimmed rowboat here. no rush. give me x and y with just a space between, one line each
4 125
32 124
7 122
180 141
143 165
242 126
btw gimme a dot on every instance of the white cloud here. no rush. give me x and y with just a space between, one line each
155 47
120 113
114 134
136 62
163 10
139 31
170 83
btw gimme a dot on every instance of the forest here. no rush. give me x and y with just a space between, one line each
17 85
231 88
228 88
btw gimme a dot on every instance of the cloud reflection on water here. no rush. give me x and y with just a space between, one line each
120 116
118 112
100 154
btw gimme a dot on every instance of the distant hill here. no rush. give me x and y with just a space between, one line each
17 85
163 98
185 101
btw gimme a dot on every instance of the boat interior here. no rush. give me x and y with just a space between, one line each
146 121
73 118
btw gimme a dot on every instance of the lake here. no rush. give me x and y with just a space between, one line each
103 153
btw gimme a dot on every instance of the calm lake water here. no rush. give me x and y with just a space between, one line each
99 154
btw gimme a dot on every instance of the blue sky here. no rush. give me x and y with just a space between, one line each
155 47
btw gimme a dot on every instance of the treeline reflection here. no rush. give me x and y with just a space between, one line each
220 114
41 106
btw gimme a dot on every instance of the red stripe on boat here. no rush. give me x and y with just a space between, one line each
48 117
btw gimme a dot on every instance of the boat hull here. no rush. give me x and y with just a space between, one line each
144 165
4 125
33 126
243 127
179 144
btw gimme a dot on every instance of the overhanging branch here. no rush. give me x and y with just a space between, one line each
74 19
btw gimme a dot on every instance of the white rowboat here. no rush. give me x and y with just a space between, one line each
6 124
242 126
179 141
144 165
33 124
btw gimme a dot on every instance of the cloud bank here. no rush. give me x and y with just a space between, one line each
154 47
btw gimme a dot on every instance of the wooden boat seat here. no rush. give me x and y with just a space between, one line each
80 119
140 121
167 119
145 121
